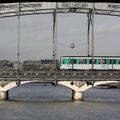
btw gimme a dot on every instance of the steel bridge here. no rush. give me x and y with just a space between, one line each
10 79
54 8
61 75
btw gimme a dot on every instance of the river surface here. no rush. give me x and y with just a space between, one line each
36 101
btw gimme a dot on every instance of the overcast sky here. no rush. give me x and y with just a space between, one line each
36 36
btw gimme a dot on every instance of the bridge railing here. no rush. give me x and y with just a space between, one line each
78 75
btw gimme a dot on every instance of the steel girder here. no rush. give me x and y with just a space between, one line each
61 75
33 8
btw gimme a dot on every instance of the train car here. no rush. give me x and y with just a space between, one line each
85 62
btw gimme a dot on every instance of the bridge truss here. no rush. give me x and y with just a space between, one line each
33 8
61 75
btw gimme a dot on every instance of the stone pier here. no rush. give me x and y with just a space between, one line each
77 96
4 95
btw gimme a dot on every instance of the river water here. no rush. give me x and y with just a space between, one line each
36 101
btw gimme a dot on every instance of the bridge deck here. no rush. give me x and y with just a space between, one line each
61 75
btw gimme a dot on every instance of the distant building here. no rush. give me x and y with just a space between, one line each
14 65
43 64
31 65
9 65
35 65
46 63
4 64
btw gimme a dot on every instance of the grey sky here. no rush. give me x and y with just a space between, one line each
36 36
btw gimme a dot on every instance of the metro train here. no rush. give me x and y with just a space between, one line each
85 62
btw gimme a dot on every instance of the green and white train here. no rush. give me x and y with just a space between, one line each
85 62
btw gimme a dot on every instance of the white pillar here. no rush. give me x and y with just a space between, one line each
4 95
77 96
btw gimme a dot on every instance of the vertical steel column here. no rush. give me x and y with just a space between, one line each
92 37
18 54
88 32
55 37
92 25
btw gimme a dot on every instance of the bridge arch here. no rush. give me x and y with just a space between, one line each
85 86
76 90
63 83
12 85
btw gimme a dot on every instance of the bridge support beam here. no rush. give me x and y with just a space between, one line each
4 95
77 96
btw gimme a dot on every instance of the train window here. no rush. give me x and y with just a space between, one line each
105 61
81 61
71 61
94 61
90 61
102 61
84 61
112 61
63 61
74 61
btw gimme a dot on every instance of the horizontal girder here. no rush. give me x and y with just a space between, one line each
33 8
61 75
